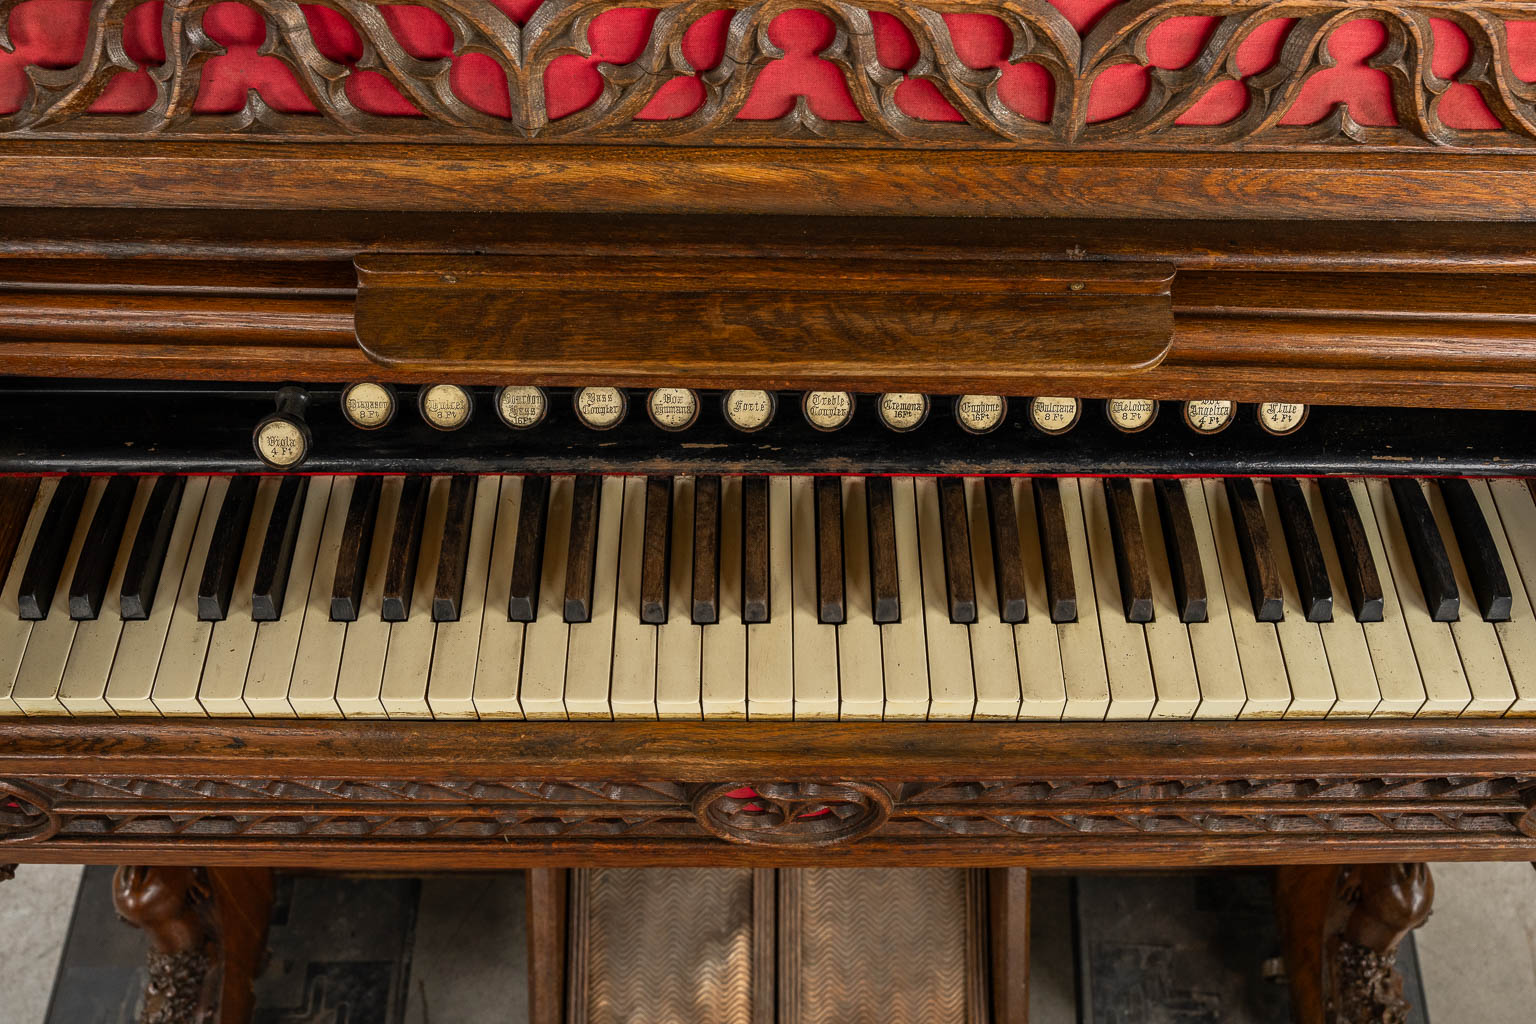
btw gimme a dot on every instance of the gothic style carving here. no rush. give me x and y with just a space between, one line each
1073 63
22 815
793 813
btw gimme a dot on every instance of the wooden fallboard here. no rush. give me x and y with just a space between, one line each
502 794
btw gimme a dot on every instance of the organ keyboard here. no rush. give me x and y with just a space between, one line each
787 596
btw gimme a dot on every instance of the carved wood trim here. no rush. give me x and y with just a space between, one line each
1042 35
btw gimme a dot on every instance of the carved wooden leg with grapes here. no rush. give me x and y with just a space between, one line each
1341 927
207 933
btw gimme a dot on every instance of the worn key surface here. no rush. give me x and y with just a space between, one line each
755 543
1307 563
581 553
453 559
16 496
883 580
959 579
405 550
1007 550
356 542
94 565
1253 546
40 579
223 562
275 560
1055 555
1183 549
528 553
706 551
1485 568
1349 540
1437 581
657 550
146 561
831 603
1130 549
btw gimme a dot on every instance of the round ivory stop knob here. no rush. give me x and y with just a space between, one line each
282 440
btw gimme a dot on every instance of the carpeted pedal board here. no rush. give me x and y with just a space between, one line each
802 946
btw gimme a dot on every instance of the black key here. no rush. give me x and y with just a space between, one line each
656 550
954 529
755 541
141 577
453 557
1478 552
706 551
17 496
884 584
1258 557
223 561
1130 550
1183 551
276 556
528 555
405 550
1349 540
831 607
1007 550
1055 550
1437 582
581 548
40 579
356 542
99 552
1306 553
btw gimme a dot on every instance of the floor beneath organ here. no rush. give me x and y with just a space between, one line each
452 948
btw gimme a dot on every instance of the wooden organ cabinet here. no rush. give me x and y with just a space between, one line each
562 435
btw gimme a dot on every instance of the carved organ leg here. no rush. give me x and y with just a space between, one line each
7 872
206 930
1342 927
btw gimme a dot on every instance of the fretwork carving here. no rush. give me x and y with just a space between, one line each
59 98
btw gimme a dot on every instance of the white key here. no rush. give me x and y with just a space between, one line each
1301 642
679 643
771 644
1349 657
499 659
1482 656
363 652
409 661
1222 694
36 691
186 641
1511 516
1036 641
1132 694
221 691
1445 682
994 662
138 649
633 678
1258 647
951 678
541 692
861 688
83 690
317 665
14 630
456 652
903 644
816 690
1392 655
589 666
1168 641
1082 648
723 686
277 642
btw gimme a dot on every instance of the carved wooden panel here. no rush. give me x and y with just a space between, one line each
1142 74
152 811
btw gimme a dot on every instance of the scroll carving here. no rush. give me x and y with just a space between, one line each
793 814
58 99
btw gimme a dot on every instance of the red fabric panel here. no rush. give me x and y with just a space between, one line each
52 33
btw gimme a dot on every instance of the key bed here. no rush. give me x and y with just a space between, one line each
792 597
